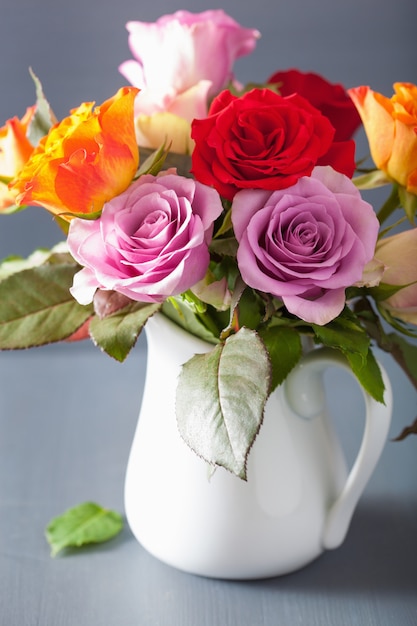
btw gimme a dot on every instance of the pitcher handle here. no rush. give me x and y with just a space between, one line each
305 394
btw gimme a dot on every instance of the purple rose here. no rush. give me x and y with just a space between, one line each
149 243
307 243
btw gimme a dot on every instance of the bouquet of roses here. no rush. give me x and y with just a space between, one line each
239 216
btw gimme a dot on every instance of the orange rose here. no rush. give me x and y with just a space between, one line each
15 149
398 254
85 160
391 127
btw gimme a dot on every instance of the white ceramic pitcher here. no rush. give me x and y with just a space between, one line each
298 499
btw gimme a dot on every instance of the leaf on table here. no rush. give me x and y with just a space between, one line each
83 524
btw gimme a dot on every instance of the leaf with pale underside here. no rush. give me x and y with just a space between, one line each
83 524
58 254
220 400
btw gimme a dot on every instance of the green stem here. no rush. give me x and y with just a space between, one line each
208 323
389 206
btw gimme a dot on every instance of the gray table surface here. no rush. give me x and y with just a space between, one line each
67 417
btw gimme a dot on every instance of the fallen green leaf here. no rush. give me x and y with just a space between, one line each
83 524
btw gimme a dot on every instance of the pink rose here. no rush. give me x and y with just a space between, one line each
149 243
398 254
307 243
183 60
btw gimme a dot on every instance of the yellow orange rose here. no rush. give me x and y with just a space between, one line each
15 149
85 160
391 127
398 254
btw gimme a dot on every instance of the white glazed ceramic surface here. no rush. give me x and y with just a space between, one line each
297 501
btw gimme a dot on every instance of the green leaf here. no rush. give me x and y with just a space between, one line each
155 160
344 333
94 215
409 203
36 307
250 309
368 373
182 313
285 350
82 524
224 247
238 290
117 334
384 291
44 118
390 205
371 180
405 354
13 264
347 335
220 400
396 323
226 224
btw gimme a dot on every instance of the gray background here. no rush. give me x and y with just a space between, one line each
67 413
76 47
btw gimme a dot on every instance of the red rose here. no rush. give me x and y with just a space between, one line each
260 140
331 99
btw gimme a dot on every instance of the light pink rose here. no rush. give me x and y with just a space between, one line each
306 243
398 254
149 243
184 59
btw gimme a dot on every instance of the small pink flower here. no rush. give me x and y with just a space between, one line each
182 60
150 242
305 244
